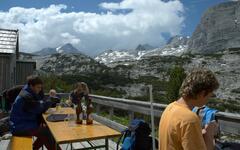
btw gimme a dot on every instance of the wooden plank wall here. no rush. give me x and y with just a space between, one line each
24 69
6 71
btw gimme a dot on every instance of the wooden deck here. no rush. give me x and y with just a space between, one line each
112 145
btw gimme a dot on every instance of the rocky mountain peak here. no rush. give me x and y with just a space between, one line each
62 63
177 40
67 48
219 29
175 46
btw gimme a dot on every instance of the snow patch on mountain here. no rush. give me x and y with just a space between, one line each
176 45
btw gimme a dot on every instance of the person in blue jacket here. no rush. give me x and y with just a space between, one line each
25 116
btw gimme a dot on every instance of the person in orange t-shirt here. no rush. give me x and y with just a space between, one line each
179 127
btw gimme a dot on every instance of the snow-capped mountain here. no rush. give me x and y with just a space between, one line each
111 56
63 63
66 49
176 45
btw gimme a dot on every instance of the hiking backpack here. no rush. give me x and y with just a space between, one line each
136 136
9 96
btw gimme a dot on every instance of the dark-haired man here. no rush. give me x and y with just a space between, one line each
26 112
180 128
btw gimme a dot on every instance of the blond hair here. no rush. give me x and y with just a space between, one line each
52 92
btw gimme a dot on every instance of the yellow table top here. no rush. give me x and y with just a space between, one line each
63 133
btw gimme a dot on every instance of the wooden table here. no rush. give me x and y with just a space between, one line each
63 133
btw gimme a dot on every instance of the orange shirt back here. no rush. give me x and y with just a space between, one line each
180 129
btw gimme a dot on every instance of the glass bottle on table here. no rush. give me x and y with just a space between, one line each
79 118
89 119
84 109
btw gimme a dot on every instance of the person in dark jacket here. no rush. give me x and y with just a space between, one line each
26 111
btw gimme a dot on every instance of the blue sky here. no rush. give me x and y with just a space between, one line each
193 9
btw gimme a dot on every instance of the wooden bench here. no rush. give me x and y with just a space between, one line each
20 143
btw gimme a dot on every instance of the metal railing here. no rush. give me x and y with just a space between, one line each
229 122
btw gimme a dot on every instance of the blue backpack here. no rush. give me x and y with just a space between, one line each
136 136
206 114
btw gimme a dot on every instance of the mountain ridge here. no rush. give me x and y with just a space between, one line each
66 48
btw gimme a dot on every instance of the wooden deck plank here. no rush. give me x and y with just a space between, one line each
77 145
99 142
112 145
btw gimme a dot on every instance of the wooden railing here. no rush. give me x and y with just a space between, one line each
229 122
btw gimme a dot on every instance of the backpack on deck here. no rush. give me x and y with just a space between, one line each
136 136
10 95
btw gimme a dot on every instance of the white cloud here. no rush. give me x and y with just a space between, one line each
144 22
68 38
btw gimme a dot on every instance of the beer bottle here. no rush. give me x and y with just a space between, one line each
79 113
89 114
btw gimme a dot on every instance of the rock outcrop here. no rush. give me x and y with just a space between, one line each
219 29
60 64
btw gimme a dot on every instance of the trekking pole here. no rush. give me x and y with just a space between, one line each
152 118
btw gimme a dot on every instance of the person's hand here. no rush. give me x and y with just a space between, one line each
210 129
209 132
